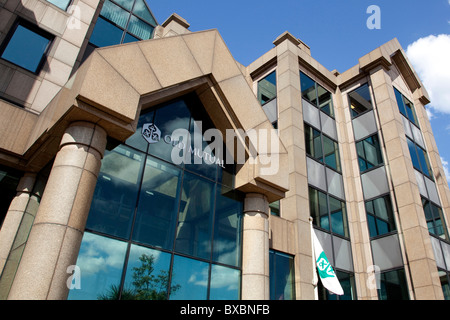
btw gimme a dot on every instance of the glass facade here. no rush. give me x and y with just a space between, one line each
62 4
347 281
369 153
157 230
26 46
393 285
380 216
317 95
282 279
322 148
267 97
360 100
435 219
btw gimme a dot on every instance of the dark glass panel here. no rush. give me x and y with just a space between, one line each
318 205
338 216
191 277
169 118
227 223
127 4
313 143
282 286
424 163
413 153
158 204
369 153
360 100
393 286
129 38
26 48
115 196
308 87
275 208
411 112
193 234
105 34
325 101
331 153
267 88
100 261
400 102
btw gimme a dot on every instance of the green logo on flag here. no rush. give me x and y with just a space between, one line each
324 267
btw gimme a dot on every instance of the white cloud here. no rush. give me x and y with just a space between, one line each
429 56
445 165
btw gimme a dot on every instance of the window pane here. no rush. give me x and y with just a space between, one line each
325 101
423 159
140 29
380 216
193 234
411 112
319 208
101 261
225 283
393 286
191 277
308 89
227 226
369 153
129 38
360 100
127 4
275 208
158 204
338 217
267 88
141 10
331 150
115 14
147 276
105 34
313 142
282 285
62 4
413 153
173 116
116 192
137 140
26 48
400 103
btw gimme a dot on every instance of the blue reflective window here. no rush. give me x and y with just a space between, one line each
62 4
192 278
115 14
380 216
140 29
413 153
27 47
282 279
101 261
141 10
105 34
400 102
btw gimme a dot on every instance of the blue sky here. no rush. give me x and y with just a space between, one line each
337 34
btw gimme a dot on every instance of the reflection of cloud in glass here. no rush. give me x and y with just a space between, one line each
98 254
222 277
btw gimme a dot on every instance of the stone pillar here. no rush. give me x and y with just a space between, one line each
14 216
255 252
413 227
56 235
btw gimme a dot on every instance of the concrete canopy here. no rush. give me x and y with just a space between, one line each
115 83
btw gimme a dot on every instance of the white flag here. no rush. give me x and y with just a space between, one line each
326 272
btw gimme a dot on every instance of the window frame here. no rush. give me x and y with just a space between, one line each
391 215
35 29
317 104
350 104
381 164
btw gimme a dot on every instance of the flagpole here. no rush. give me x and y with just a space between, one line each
315 279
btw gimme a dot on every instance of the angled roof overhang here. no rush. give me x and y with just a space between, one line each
115 83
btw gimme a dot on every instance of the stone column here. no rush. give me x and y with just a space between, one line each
255 252
14 216
56 235
412 223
